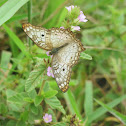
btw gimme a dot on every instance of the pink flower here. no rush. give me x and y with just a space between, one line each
70 7
47 118
62 27
49 72
48 54
82 17
75 28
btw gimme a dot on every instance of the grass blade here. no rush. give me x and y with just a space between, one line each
88 103
16 40
100 111
72 103
13 6
120 116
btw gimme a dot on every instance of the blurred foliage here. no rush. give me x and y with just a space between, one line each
23 65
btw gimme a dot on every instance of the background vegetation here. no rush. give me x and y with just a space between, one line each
97 93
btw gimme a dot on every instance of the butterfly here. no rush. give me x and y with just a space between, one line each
64 47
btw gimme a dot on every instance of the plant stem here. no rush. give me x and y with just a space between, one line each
30 21
41 88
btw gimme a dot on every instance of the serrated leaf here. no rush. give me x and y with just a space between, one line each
5 60
34 109
10 93
20 123
34 78
33 116
11 123
27 99
50 93
17 98
3 108
32 94
54 103
38 100
24 116
50 111
85 56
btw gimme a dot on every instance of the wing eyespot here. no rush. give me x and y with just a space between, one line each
42 35
63 69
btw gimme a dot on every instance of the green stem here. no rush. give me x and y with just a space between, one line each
29 5
41 88
30 21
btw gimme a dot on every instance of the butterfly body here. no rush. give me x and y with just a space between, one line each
64 47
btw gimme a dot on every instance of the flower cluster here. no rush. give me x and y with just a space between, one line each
81 17
75 17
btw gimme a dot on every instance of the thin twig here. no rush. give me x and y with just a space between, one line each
104 48
93 20
55 12
8 117
43 9
115 39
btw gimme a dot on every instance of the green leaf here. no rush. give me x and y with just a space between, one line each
38 100
62 17
33 116
24 116
5 60
34 109
17 98
61 124
9 9
11 123
32 94
34 78
20 123
54 103
120 116
10 93
88 103
50 111
3 108
72 103
101 111
16 40
50 93
85 56
27 99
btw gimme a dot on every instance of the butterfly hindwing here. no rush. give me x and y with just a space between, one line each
62 64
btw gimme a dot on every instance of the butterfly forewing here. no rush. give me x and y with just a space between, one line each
48 38
40 36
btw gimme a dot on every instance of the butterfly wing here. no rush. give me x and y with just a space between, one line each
40 36
63 61
48 39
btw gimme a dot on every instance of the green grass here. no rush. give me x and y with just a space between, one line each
97 90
